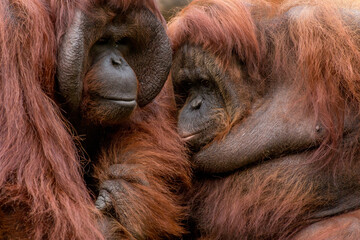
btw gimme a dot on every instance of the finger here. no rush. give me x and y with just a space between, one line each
104 201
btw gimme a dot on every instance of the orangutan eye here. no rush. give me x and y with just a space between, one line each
188 85
102 41
125 41
205 83
124 45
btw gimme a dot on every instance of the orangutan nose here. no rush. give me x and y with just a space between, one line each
196 103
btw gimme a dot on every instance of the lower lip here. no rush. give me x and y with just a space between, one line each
124 101
129 103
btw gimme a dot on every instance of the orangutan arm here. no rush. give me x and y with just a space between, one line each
141 174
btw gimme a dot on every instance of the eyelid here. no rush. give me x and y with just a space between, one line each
123 41
205 82
102 40
188 83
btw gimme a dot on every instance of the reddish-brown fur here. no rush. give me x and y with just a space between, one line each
321 54
42 191
150 143
40 177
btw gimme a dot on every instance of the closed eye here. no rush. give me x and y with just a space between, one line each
125 41
102 41
124 45
205 83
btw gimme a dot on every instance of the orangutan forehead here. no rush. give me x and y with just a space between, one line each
122 6
224 28
190 56
193 62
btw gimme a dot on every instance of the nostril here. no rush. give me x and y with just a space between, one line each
116 62
196 103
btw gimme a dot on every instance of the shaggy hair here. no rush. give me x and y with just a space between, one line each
42 191
153 190
316 45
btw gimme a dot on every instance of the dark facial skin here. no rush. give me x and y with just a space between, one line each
208 100
111 89
267 123
201 104
269 142
197 120
109 66
259 128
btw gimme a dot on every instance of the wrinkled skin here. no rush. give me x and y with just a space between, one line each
252 136
268 132
273 129
112 60
199 125
108 69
